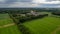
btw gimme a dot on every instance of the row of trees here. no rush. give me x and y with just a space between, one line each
56 13
21 27
22 20
24 10
19 20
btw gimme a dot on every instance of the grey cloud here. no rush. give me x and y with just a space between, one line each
25 0
52 0
11 2
8 1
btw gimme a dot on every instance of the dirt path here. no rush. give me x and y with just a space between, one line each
7 25
55 31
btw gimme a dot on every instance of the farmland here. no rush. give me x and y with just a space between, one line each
49 24
7 25
10 30
43 26
5 19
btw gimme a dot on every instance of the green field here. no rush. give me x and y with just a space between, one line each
43 26
5 20
10 30
46 25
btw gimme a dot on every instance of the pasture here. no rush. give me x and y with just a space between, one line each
5 19
7 25
47 25
10 30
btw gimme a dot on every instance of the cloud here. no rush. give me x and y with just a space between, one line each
51 0
24 0
19 4
46 2
2 1
29 3
7 1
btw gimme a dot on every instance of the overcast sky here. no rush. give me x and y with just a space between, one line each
30 3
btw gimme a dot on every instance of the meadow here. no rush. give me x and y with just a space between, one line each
46 25
5 25
5 19
10 30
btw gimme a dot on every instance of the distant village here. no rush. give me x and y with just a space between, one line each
32 13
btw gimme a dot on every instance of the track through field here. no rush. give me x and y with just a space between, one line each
7 25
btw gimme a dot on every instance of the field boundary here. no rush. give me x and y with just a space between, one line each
7 25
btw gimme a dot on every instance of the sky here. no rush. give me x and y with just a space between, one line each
30 3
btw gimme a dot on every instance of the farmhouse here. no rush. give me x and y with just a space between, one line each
33 13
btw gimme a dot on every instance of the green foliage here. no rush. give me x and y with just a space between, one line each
40 26
43 26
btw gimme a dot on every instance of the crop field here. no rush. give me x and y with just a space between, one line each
7 26
46 25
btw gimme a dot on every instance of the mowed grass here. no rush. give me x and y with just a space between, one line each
43 26
10 30
5 19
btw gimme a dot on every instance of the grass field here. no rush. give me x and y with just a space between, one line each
45 25
10 30
5 20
